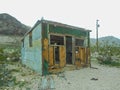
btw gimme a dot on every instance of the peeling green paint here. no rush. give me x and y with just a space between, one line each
63 30
32 56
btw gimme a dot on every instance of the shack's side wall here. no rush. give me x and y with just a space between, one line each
32 55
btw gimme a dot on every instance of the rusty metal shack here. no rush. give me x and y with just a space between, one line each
58 44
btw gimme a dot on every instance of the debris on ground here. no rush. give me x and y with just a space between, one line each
94 79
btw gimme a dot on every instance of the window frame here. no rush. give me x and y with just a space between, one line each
80 40
55 44
30 39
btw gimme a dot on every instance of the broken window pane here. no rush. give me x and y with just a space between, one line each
79 42
56 40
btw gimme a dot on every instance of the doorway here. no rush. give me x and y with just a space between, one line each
68 50
56 55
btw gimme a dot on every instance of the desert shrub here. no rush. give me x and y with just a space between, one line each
6 78
108 54
2 56
5 75
12 54
1 50
93 48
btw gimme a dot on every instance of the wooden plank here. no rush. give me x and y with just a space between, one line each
88 51
84 61
86 55
51 56
77 58
62 56
45 49
82 55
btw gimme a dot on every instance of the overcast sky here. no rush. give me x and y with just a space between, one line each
81 13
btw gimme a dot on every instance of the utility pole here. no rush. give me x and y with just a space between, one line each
97 25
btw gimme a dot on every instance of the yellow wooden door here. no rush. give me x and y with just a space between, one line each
82 55
62 56
77 57
51 56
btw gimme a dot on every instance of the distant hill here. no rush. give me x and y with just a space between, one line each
11 26
108 39
11 30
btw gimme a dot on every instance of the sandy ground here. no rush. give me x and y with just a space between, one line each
102 78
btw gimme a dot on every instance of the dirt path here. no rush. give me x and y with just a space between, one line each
103 78
99 77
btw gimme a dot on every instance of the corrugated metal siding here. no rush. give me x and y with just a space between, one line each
32 56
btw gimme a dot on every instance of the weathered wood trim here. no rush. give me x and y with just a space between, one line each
56 45
45 49
57 34
73 50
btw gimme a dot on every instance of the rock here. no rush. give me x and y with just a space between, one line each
8 58
22 80
94 79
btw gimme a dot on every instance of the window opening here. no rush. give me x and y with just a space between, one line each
56 55
79 42
56 40
68 49
30 39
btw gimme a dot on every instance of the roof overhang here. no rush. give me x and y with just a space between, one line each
55 24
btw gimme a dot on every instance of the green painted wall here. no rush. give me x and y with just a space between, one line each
68 31
32 56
